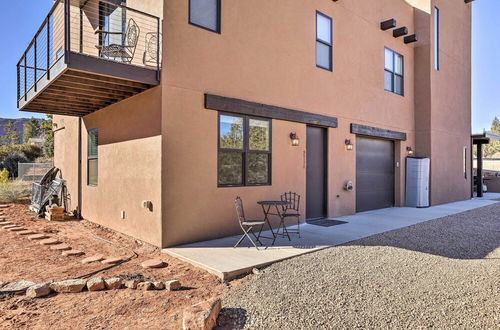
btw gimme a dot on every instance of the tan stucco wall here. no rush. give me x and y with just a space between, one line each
443 113
129 165
162 145
260 56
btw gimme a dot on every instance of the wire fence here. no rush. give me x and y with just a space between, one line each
33 172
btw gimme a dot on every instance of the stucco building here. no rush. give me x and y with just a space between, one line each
165 111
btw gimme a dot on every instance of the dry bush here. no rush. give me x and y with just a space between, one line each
13 190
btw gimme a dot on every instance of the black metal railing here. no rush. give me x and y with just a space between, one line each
100 28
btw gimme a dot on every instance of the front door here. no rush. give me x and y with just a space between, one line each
316 173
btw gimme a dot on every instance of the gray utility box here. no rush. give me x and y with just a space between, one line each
417 181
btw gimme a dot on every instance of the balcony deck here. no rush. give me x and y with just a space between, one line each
80 79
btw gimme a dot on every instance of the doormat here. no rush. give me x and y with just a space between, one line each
326 222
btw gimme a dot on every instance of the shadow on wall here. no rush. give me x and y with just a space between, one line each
135 118
473 234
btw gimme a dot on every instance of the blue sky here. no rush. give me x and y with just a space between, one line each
25 18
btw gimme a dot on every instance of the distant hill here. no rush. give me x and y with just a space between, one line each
18 124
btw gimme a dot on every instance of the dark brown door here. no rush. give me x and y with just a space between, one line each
374 174
316 173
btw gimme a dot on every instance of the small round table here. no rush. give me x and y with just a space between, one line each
266 207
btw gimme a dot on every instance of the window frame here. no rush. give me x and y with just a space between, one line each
329 45
245 150
219 19
93 157
437 37
394 74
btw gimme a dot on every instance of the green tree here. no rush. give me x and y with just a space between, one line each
11 136
494 146
31 129
48 134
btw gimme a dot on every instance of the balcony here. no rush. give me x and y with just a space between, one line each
87 55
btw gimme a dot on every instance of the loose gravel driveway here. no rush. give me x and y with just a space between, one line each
442 274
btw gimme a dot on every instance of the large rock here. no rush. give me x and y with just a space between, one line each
50 241
72 253
172 285
131 284
153 263
60 247
68 286
39 290
37 237
96 284
159 285
202 316
16 287
111 261
95 258
145 286
113 283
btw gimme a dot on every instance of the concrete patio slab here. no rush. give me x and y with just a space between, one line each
221 259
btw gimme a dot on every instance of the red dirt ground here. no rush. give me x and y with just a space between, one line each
22 259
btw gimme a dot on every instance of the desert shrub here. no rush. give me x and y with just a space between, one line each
31 152
13 190
11 164
4 176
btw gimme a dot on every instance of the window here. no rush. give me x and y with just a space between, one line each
436 38
205 14
92 171
112 19
244 157
324 43
393 74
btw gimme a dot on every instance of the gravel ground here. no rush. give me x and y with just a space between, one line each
442 274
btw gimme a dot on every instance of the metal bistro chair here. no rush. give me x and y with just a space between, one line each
150 57
247 225
292 209
124 51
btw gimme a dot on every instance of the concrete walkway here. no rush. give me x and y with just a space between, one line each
221 259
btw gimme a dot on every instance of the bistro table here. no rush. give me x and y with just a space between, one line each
267 207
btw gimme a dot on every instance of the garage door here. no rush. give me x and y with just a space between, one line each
374 174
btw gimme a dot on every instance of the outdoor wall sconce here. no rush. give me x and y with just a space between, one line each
402 31
389 24
411 39
348 144
409 151
295 139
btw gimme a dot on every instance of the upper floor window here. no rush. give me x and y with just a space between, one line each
205 14
436 38
324 42
394 72
244 151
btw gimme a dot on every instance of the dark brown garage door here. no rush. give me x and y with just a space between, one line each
374 174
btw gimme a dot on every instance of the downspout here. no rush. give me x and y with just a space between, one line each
79 206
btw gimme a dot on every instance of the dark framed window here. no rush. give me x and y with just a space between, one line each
324 41
394 72
92 157
244 156
205 14
436 38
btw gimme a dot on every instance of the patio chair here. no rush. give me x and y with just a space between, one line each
150 57
247 225
291 210
124 51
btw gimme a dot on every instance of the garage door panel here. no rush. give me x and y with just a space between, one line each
376 181
374 174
